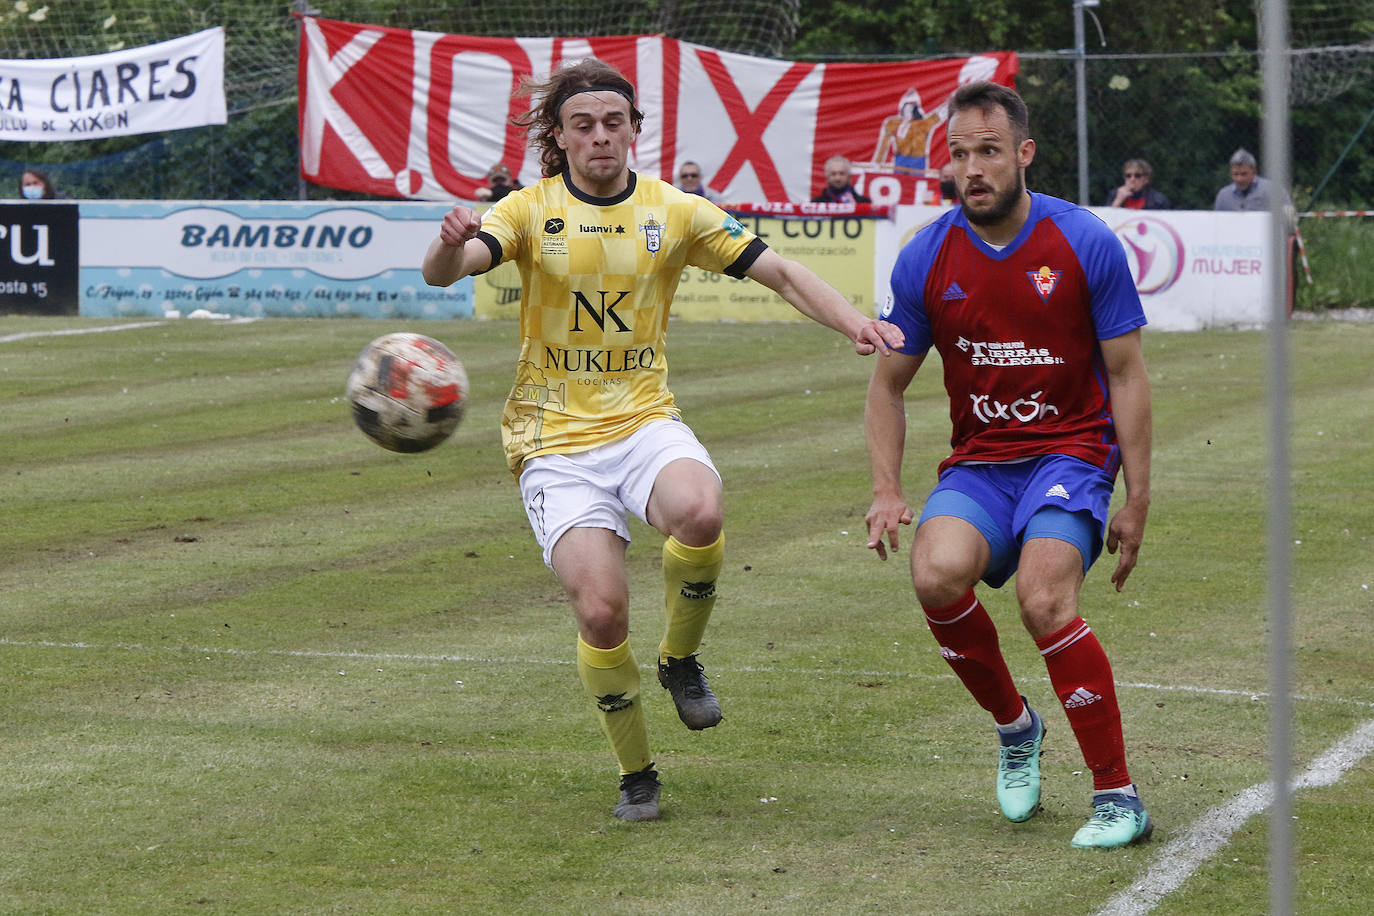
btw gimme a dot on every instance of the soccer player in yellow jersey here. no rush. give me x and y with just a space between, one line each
590 427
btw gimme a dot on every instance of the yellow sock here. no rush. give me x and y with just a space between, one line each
611 679
689 580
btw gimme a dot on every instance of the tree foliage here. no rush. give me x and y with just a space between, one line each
1145 96
1173 81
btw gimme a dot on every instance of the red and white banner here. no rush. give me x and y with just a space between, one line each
806 210
408 113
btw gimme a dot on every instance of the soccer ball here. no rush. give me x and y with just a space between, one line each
407 392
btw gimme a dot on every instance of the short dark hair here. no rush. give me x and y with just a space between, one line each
549 96
986 96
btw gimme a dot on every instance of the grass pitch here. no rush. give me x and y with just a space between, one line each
255 664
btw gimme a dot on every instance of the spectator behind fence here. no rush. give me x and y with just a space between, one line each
689 179
1247 190
838 188
36 185
949 192
1135 192
499 183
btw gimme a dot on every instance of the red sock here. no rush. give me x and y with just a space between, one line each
1082 677
968 641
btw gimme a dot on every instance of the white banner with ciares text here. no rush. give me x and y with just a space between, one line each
167 86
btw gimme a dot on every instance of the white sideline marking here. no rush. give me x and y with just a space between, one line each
496 660
1183 855
25 335
63 333
285 653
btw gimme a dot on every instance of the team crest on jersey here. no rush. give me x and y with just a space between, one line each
653 235
1044 280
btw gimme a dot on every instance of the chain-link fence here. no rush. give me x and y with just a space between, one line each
1165 108
1184 113
254 156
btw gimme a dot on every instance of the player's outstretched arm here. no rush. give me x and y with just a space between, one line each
456 252
821 302
885 430
1129 385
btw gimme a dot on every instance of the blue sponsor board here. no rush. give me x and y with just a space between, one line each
263 259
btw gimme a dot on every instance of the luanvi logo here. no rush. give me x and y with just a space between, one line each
697 590
613 702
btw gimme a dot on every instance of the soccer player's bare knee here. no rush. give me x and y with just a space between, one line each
603 624
1046 605
940 576
1047 583
948 557
686 503
699 523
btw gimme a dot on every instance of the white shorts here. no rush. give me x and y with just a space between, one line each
599 488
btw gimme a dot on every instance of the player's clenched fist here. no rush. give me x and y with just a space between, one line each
460 224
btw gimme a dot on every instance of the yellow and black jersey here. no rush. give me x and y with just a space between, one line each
598 277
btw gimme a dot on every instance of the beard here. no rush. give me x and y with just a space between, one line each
1001 206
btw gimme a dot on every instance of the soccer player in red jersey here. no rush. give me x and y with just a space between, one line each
1032 307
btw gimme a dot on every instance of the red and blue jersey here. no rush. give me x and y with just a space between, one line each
1018 331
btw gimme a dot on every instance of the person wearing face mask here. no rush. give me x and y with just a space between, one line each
499 183
949 193
36 185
